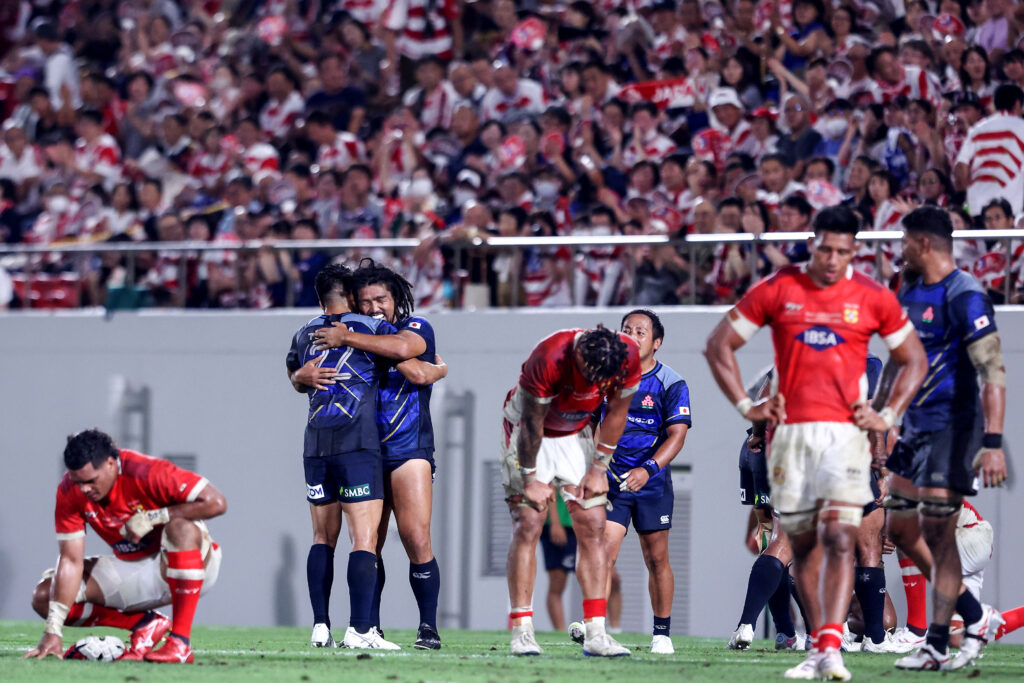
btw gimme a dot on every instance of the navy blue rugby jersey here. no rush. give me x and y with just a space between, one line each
949 316
348 407
403 408
662 399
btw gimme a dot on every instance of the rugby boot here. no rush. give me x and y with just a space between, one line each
887 646
976 636
603 645
742 637
175 650
427 638
524 642
831 667
806 670
925 658
321 636
366 641
662 645
905 640
784 642
145 635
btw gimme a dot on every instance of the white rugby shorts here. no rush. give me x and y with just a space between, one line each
815 461
975 544
139 585
561 461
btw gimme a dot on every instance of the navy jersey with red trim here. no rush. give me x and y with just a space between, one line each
347 408
662 400
403 408
949 316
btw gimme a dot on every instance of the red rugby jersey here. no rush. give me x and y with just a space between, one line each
144 483
821 337
550 375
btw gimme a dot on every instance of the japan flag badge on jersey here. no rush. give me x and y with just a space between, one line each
414 325
981 323
684 410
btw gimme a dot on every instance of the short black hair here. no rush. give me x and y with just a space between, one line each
90 114
1006 96
799 203
829 164
932 220
370 272
839 219
318 117
731 201
886 175
999 203
656 326
89 447
644 105
604 353
333 280
872 61
779 157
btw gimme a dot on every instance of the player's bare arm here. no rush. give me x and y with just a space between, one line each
637 477
531 431
595 482
63 588
720 351
423 373
910 365
313 375
208 504
401 346
987 357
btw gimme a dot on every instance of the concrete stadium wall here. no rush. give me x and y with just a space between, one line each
219 392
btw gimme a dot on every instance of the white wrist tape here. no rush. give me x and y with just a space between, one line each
744 405
56 617
144 521
888 414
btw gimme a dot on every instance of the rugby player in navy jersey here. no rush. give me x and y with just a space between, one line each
640 486
950 435
343 467
405 430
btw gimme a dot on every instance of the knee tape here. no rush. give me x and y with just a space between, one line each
844 514
939 507
795 523
898 506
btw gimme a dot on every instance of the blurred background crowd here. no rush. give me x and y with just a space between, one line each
452 121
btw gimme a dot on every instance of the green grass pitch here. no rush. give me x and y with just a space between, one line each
283 654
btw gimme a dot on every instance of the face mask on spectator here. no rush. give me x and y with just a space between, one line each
462 195
835 127
57 204
421 187
546 189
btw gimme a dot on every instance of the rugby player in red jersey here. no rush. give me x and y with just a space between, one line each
152 514
822 315
547 442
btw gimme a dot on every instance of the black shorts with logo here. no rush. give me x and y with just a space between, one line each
754 487
939 459
350 478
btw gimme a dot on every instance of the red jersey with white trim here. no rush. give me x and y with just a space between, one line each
550 375
994 152
821 337
144 483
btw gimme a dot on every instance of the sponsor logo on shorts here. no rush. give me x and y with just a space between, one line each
743 495
820 337
762 500
664 519
779 475
361 491
315 492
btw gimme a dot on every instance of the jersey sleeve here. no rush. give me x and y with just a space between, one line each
676 405
974 315
422 328
754 310
893 324
293 361
385 328
540 374
69 519
874 372
171 485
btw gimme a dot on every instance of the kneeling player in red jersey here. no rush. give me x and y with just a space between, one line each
152 514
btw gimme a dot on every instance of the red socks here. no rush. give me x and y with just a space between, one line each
1014 620
829 636
598 607
89 614
185 573
917 596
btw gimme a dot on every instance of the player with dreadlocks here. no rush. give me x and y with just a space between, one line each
547 441
405 430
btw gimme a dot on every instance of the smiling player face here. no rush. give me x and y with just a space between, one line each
95 482
831 253
376 301
638 328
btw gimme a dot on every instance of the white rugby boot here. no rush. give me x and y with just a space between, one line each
831 667
742 637
597 642
662 645
887 646
904 640
976 636
806 670
524 642
371 640
321 636
850 642
925 658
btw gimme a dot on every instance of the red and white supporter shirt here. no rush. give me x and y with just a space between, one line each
821 337
261 157
917 84
276 118
144 483
433 109
527 98
102 157
423 26
994 152
550 375
655 147
346 150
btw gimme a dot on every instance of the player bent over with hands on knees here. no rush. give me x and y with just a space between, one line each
405 430
950 434
547 442
822 315
639 485
152 514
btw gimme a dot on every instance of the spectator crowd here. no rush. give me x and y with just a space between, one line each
225 122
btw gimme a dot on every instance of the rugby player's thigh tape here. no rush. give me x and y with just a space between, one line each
139 585
812 461
975 545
